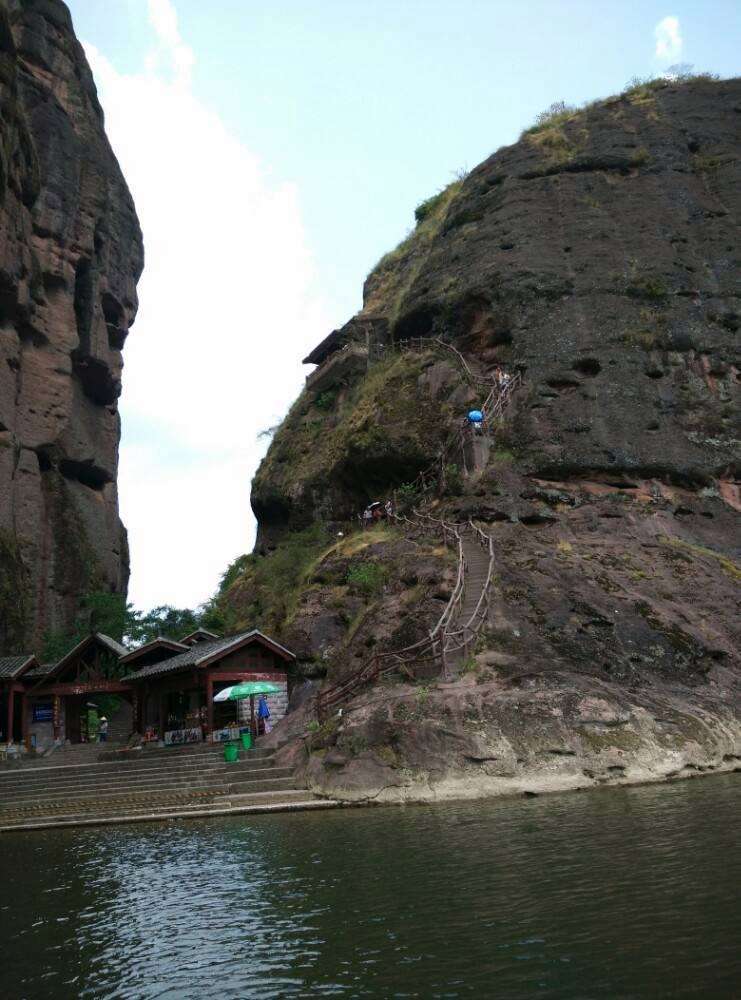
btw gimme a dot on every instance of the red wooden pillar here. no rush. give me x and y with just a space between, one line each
135 727
209 706
11 698
56 715
25 735
144 706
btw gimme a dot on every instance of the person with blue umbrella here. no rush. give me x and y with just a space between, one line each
475 420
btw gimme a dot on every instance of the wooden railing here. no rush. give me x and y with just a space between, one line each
429 649
454 448
462 639
445 639
448 636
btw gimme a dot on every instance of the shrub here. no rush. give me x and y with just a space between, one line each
406 495
643 86
367 579
425 208
647 287
554 114
453 479
15 593
233 571
326 400
268 432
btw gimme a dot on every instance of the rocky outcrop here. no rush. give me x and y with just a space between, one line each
601 252
599 255
478 737
70 255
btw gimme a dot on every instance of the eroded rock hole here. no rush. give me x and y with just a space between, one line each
44 459
416 324
587 366
532 520
87 473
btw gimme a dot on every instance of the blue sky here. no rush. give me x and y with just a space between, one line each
350 113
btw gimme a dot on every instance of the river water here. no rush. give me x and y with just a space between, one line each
617 894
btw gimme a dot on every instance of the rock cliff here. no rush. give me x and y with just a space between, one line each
70 256
599 256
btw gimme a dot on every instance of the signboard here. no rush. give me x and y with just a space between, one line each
43 711
229 733
175 737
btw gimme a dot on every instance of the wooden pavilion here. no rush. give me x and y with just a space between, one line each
56 694
12 693
174 693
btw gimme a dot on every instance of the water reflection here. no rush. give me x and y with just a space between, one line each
620 894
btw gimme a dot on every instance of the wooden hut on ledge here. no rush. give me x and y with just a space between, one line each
174 689
345 352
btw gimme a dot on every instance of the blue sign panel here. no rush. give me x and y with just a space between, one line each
42 711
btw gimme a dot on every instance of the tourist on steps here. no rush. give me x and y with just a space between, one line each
103 729
263 715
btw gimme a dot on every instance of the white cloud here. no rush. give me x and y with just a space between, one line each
668 39
227 310
164 19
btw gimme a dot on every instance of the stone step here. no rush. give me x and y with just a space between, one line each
143 760
203 812
272 784
95 803
58 790
100 775
78 811
149 787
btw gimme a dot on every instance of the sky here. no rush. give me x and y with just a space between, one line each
276 150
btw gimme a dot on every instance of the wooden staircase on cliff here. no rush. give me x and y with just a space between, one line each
453 638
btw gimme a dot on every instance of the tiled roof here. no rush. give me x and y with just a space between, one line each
115 647
200 635
12 666
41 671
105 640
331 342
161 642
204 651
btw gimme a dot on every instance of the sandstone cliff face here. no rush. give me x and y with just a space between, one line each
600 254
70 255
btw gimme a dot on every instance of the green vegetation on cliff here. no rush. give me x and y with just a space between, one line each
15 594
328 463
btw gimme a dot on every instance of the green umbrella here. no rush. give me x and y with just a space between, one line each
246 689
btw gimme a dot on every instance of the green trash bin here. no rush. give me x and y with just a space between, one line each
247 741
231 752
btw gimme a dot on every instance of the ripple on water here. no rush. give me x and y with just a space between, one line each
620 894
